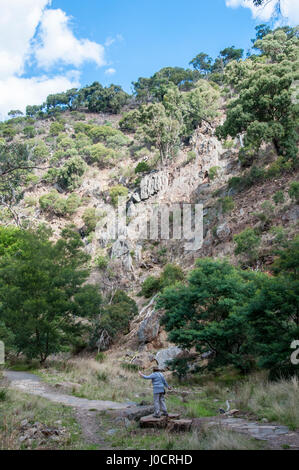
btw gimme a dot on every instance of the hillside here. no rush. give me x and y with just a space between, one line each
83 301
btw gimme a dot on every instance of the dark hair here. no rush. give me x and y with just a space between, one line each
156 369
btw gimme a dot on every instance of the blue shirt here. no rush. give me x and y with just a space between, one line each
158 381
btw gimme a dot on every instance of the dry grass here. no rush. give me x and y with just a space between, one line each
276 401
106 380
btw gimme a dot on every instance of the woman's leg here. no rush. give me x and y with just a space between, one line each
163 404
157 404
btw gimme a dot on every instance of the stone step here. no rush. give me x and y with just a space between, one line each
152 422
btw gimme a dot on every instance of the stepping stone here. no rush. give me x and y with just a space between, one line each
179 425
151 422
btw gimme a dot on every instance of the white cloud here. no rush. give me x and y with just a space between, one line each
289 9
55 44
110 71
17 93
58 43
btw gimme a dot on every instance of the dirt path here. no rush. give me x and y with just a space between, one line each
32 384
86 411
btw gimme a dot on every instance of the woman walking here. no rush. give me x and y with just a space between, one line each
159 385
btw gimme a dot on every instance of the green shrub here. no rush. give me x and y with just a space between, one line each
90 219
227 204
171 274
40 150
130 121
130 367
116 192
294 191
247 244
59 206
70 175
29 132
278 197
100 357
117 141
99 154
64 142
102 262
150 287
142 167
3 394
55 128
102 376
191 156
213 172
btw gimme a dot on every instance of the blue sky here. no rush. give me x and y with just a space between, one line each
47 46
156 33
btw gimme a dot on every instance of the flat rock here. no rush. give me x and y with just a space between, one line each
179 425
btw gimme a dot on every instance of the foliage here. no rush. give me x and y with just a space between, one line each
227 204
278 197
142 167
116 192
42 292
150 287
99 154
247 244
115 317
102 262
203 314
69 176
90 219
294 191
59 206
55 128
264 108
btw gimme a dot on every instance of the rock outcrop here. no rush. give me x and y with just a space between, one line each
153 184
165 355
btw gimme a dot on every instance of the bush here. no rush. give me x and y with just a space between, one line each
90 219
150 287
142 167
213 172
100 357
102 262
115 318
55 128
59 206
278 197
130 121
99 154
247 244
294 191
171 274
116 192
69 176
130 367
3 394
40 150
29 132
227 204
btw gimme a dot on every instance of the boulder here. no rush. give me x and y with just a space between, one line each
223 232
149 327
165 355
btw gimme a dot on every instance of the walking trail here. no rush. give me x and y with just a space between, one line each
277 436
84 409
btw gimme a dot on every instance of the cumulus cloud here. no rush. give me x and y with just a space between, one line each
32 32
289 9
58 43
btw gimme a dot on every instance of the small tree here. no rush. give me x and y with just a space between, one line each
43 293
